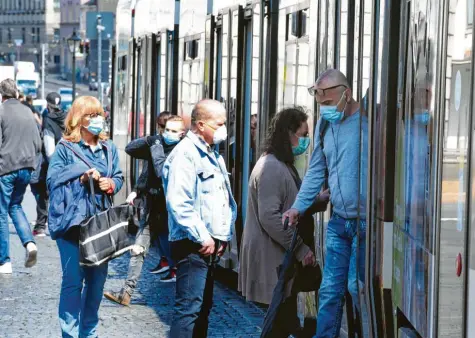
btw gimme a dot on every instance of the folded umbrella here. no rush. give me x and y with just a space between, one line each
286 272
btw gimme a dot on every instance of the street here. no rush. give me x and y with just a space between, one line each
53 83
29 299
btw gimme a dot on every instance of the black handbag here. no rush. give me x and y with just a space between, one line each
308 278
104 235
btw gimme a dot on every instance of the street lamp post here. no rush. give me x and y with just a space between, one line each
73 43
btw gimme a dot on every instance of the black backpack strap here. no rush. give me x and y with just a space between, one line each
322 131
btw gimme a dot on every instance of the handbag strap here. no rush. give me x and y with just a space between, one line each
81 156
295 175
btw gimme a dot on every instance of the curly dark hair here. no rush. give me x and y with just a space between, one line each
278 139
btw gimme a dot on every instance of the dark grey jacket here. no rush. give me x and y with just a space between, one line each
20 140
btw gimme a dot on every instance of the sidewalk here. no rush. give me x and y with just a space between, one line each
29 299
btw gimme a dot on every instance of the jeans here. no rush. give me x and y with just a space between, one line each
12 190
340 273
41 196
164 248
144 236
78 303
194 291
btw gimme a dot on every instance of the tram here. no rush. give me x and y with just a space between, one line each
409 61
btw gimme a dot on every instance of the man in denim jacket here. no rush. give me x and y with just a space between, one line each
201 215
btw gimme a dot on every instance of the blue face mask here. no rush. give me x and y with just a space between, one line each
96 125
422 118
331 114
304 142
171 138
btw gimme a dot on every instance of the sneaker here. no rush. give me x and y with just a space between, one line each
31 252
40 232
6 268
170 278
161 267
122 297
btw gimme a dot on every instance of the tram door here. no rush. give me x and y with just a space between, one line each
251 86
138 120
294 65
164 74
431 221
228 89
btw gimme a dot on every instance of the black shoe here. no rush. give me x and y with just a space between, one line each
161 267
39 232
170 277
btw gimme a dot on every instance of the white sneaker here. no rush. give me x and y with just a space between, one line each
31 252
6 268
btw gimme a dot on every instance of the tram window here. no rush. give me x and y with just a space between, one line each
191 49
123 63
469 13
297 22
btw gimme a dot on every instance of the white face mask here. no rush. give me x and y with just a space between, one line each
220 135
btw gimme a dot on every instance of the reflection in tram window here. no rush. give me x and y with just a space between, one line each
413 198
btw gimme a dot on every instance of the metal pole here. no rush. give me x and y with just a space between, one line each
74 75
43 70
99 56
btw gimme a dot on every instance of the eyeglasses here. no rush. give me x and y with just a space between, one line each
321 91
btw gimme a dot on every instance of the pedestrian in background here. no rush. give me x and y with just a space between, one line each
153 149
52 131
201 212
20 143
82 155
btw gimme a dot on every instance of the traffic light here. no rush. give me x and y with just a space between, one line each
86 47
81 47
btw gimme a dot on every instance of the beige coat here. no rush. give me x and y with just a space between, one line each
272 191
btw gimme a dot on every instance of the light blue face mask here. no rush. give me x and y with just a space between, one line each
171 138
331 114
422 118
96 125
304 142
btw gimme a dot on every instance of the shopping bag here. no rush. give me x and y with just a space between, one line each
104 235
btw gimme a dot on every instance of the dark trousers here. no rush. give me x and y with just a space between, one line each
194 290
41 196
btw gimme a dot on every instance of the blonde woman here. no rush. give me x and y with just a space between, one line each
83 154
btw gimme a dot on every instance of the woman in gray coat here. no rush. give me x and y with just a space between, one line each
272 190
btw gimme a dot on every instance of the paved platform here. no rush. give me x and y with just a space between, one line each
29 299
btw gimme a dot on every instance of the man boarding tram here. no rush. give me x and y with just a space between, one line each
341 151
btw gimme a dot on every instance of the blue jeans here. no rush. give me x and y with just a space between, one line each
78 303
194 293
164 248
340 273
12 190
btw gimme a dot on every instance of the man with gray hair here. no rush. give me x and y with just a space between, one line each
341 149
20 143
201 215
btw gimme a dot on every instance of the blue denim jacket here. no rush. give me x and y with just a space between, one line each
192 177
69 199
